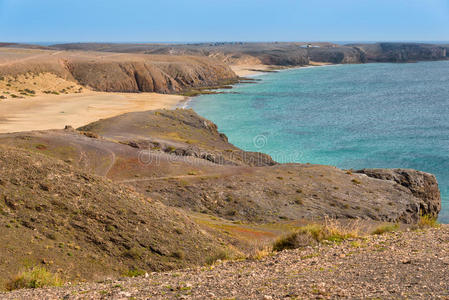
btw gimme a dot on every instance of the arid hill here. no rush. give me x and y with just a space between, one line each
403 52
163 189
86 227
118 72
182 160
283 54
178 68
402 265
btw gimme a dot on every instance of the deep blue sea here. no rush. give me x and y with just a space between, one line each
349 116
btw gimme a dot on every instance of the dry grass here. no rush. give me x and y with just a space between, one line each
385 228
37 277
261 253
229 253
427 221
331 231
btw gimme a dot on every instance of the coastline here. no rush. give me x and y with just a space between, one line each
251 71
258 69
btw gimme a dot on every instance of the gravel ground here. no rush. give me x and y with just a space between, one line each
401 265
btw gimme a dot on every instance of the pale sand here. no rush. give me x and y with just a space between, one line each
250 70
318 64
56 111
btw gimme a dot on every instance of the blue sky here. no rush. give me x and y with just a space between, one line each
224 20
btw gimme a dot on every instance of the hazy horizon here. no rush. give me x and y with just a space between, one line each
50 43
200 20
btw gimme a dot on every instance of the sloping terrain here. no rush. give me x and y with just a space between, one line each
117 72
403 52
86 227
182 160
283 54
403 265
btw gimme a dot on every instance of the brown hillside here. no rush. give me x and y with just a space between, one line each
86 227
182 160
118 72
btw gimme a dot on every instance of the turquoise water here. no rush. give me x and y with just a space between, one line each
349 116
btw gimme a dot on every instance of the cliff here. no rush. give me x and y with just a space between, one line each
284 54
403 52
118 72
163 189
182 160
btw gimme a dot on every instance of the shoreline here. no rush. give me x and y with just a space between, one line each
250 73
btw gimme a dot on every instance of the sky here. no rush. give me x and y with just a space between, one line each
223 20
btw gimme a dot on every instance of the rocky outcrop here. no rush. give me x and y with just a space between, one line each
403 52
336 55
423 186
181 159
85 225
121 72
286 54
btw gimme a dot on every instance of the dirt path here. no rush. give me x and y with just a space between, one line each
403 265
111 163
169 177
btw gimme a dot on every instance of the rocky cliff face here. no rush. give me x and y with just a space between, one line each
336 55
422 185
286 54
403 52
182 160
120 72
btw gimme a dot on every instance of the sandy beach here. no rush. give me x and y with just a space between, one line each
251 70
258 69
56 111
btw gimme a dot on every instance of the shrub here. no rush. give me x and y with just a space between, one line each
427 221
386 228
261 253
299 201
134 253
310 234
90 134
170 149
30 91
35 278
224 254
134 273
179 254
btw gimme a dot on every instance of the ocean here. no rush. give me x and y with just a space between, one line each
350 116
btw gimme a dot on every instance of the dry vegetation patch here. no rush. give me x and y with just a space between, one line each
31 85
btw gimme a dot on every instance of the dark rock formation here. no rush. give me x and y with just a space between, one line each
403 52
285 54
423 186
180 158
336 55
123 72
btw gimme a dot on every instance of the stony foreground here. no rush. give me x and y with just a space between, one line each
401 265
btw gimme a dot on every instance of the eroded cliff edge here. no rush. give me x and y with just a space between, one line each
284 54
180 159
119 72
159 190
